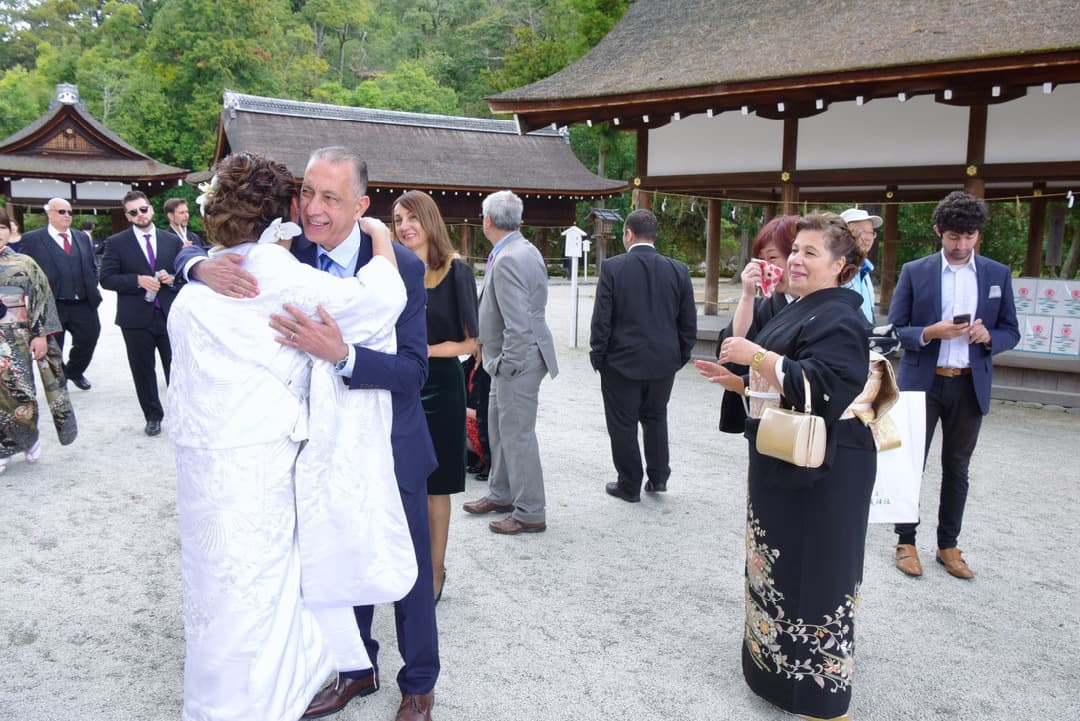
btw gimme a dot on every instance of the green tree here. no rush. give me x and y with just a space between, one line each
24 95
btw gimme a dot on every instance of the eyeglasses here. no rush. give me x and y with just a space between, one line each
62 211
138 211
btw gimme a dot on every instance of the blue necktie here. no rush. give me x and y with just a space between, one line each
326 262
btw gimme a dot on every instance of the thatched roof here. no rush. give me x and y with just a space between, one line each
67 143
411 150
719 54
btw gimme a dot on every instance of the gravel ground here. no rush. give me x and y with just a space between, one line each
618 611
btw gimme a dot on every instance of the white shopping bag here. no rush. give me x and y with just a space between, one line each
899 471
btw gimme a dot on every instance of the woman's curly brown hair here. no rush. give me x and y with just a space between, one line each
251 192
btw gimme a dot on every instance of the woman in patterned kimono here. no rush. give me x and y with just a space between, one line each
259 641
29 320
806 527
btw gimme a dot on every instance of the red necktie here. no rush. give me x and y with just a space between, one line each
67 245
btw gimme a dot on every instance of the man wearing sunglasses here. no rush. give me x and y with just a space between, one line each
67 257
137 265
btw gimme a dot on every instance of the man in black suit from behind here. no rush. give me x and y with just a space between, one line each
137 265
67 258
644 325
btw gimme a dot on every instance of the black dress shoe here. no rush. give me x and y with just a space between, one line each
153 428
656 486
614 489
81 383
333 698
483 475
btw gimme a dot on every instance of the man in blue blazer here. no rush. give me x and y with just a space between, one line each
333 196
953 311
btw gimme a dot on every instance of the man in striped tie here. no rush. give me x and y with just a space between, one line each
138 265
67 257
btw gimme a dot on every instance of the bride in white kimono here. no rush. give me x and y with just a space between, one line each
261 637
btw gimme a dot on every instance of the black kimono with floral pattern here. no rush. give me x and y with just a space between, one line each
806 528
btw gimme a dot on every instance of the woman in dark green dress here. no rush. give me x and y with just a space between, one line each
452 332
806 527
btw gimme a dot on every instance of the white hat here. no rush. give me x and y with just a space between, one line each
854 215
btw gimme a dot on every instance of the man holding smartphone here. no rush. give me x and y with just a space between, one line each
948 355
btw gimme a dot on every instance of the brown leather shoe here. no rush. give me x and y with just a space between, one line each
512 526
954 563
336 696
485 505
415 707
907 560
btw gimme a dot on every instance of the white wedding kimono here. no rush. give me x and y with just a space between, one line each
271 544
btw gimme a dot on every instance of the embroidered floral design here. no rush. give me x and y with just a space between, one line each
821 651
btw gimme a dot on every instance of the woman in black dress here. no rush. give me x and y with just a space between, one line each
452 332
806 527
773 245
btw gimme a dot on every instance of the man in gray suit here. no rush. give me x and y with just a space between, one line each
517 352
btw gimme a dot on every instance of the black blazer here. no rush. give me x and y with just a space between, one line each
644 322
124 261
40 246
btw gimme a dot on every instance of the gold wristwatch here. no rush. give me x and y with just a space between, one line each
756 360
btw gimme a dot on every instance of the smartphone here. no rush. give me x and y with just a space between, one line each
962 319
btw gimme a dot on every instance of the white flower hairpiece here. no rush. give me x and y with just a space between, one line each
207 193
279 229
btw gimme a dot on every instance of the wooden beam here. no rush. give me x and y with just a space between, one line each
974 183
712 256
1036 230
789 191
890 239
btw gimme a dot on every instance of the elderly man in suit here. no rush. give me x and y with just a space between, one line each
67 257
517 352
137 264
332 197
644 326
953 311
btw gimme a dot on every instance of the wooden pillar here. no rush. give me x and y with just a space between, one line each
976 151
642 198
464 241
889 242
789 191
712 256
1036 230
543 243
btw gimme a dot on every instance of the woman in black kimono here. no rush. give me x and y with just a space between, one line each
773 245
806 527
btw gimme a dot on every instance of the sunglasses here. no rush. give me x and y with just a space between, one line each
138 211
62 211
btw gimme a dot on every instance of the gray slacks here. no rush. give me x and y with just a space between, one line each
516 476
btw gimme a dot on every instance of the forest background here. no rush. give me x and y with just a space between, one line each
153 71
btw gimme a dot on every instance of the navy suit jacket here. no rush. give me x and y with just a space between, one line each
917 304
122 264
403 373
36 244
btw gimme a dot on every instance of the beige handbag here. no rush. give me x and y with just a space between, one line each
793 436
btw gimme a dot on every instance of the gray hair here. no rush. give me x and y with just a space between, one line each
339 154
504 208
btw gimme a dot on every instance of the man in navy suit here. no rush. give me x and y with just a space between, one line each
67 258
137 265
333 196
953 311
644 326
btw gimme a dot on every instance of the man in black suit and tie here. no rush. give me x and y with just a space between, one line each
176 210
67 257
136 265
644 325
